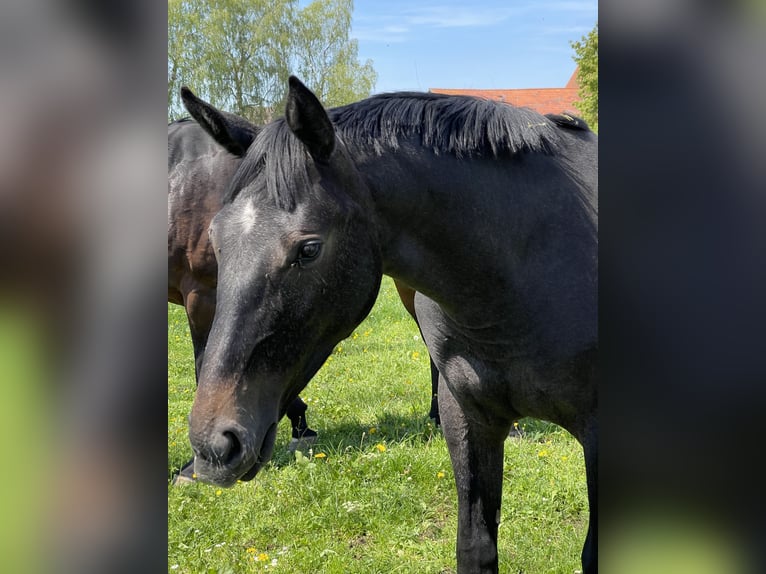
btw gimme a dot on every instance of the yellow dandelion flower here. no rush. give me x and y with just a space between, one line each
250 550
415 355
194 475
320 455
440 474
380 447
542 453
262 557
218 492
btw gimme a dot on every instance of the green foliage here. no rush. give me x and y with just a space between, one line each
326 59
237 54
376 493
586 57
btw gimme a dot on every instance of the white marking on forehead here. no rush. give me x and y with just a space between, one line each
247 218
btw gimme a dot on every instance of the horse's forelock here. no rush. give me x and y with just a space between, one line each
277 164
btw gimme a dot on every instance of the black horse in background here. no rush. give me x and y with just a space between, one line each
488 211
200 163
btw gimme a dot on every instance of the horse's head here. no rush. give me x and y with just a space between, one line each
298 269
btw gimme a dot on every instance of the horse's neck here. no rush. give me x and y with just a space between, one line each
434 236
511 236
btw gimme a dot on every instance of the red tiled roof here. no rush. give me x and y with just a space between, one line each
542 100
573 83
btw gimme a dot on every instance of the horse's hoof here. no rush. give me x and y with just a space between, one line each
180 480
185 475
302 443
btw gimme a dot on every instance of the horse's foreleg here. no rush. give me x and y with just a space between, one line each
302 435
200 309
477 460
590 549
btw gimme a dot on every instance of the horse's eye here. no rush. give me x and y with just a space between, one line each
309 251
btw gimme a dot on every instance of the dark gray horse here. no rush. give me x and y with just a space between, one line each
198 170
202 157
488 211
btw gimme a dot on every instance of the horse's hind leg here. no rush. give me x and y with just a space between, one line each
407 296
477 460
434 412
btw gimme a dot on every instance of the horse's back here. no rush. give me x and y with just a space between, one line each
187 141
198 169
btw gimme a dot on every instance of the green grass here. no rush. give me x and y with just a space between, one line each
376 493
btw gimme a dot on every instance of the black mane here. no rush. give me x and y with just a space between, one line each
461 125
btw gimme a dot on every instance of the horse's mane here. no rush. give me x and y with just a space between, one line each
463 126
459 125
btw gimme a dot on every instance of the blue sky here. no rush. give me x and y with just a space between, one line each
422 44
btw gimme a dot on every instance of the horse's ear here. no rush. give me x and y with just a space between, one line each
309 121
231 131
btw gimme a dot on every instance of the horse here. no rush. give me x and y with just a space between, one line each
488 211
198 169
201 159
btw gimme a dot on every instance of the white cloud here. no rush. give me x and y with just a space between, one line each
445 16
384 34
387 28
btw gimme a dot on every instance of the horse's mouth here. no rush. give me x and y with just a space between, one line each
265 452
251 461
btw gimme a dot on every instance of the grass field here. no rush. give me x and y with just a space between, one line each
376 493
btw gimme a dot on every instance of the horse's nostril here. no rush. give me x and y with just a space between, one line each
235 447
225 448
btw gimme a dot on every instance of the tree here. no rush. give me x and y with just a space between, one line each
586 57
237 54
325 57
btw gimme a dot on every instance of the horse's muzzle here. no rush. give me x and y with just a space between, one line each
228 453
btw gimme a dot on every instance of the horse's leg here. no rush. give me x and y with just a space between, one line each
200 310
434 412
407 296
302 435
476 452
590 549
